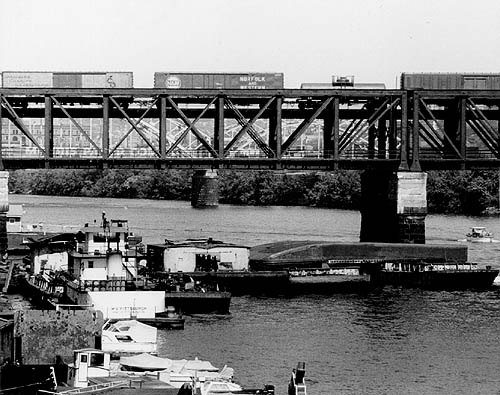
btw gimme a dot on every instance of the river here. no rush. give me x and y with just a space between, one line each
391 341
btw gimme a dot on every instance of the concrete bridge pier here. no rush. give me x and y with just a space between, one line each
205 189
393 207
4 208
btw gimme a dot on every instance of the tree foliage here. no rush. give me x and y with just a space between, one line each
458 192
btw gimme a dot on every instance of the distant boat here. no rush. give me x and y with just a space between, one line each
479 234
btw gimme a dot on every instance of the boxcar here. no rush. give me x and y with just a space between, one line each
485 81
218 80
48 79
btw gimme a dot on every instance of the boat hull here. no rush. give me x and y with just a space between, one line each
164 322
328 284
438 280
199 302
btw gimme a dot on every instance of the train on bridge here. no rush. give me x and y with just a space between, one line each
247 80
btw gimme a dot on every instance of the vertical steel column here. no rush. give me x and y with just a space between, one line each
392 135
49 130
1 135
328 125
372 133
219 127
105 127
336 132
463 129
382 138
163 127
403 161
415 164
275 128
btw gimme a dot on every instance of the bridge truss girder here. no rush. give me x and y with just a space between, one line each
269 129
455 129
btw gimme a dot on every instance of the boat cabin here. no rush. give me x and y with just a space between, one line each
108 251
88 363
14 216
50 253
112 235
200 255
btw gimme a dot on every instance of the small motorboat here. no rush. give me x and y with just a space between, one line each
479 234
129 337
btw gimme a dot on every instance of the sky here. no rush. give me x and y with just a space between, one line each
308 41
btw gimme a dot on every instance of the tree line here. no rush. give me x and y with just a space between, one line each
456 192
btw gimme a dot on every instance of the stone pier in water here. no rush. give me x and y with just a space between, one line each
393 207
205 189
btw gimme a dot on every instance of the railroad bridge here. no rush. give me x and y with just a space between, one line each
393 136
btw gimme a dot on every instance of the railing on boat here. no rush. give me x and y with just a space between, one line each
91 389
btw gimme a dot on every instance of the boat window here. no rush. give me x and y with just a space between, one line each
124 338
96 359
99 238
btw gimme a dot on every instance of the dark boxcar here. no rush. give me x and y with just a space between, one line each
47 79
484 81
218 80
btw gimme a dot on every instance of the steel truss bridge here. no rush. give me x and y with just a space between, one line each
292 129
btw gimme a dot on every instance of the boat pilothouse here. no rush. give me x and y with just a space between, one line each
297 384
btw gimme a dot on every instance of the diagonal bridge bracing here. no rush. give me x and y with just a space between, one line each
246 129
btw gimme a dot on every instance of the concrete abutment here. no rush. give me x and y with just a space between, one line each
393 207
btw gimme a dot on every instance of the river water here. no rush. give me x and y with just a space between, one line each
390 341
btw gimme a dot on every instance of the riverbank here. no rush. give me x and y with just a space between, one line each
458 192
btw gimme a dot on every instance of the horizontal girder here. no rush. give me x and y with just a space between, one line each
249 129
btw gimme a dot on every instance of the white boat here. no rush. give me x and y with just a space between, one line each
479 234
219 387
129 337
176 372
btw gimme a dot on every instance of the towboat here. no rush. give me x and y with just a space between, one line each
479 234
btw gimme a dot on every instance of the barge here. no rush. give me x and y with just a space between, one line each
435 275
346 266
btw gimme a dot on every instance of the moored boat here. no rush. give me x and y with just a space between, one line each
479 234
128 337
435 275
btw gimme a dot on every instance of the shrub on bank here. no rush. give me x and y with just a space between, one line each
458 192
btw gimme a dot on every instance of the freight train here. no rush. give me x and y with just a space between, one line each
16 79
170 80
